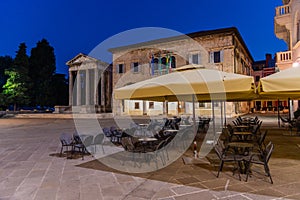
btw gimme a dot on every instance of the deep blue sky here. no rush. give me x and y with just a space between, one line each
73 26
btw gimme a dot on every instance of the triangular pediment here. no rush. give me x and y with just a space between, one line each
79 59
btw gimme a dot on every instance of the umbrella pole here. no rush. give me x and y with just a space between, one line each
213 116
289 106
225 123
278 115
194 116
221 113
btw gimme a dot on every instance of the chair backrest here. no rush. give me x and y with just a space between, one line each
285 120
161 145
235 123
269 151
113 129
98 139
88 140
127 144
219 151
66 139
262 137
107 132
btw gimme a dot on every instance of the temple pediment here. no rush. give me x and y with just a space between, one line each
79 59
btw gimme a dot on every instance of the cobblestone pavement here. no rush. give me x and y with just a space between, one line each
30 168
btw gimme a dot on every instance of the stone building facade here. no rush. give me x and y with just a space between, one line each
222 49
287 28
90 85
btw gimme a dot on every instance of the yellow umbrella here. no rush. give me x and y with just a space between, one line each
204 84
281 85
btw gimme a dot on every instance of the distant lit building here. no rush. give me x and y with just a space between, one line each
90 85
262 69
287 28
222 49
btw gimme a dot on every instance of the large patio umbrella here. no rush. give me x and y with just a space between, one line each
203 84
192 84
281 85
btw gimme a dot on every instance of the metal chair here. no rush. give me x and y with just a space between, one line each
81 146
262 159
227 156
98 140
66 141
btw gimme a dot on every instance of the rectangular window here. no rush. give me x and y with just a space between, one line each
151 105
120 69
217 57
195 59
135 67
136 105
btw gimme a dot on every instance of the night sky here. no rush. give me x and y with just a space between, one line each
73 26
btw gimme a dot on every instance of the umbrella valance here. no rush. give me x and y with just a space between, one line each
283 84
205 84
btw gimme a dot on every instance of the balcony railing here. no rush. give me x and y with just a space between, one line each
284 56
283 10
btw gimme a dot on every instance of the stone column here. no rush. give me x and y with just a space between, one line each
70 88
87 88
102 90
166 107
96 92
144 107
78 88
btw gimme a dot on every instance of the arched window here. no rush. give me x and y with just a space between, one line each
173 63
155 63
163 62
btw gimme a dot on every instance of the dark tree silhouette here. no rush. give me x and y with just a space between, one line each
41 71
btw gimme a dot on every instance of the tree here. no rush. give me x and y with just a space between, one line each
41 71
18 83
60 89
6 62
14 90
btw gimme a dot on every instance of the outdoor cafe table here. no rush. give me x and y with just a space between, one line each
241 127
242 134
242 148
143 128
148 141
171 132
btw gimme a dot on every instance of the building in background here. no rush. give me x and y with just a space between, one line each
262 69
90 85
222 49
287 28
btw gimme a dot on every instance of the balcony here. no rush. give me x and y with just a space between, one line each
282 16
282 10
284 60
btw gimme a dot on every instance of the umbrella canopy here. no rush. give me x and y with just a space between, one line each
281 85
205 84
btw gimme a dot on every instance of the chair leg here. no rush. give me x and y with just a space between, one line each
61 149
220 168
267 170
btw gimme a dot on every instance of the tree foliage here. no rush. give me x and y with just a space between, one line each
18 83
6 62
41 71
31 81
